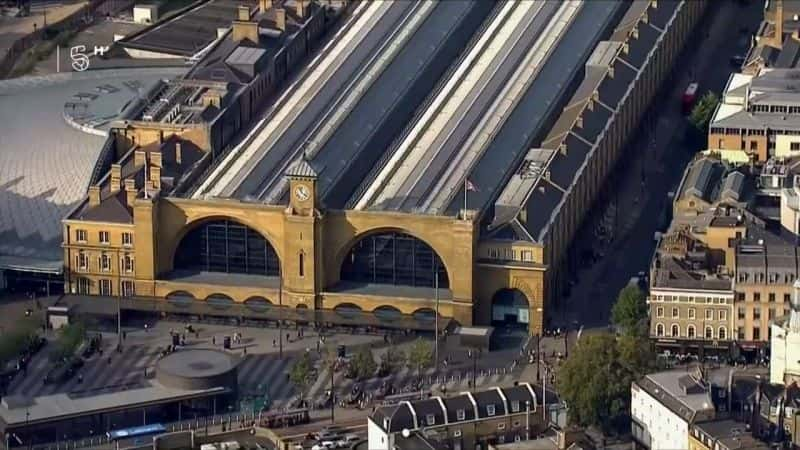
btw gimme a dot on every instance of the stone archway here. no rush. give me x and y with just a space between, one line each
510 308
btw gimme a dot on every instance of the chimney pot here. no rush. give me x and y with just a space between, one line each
178 151
244 12
280 19
130 191
300 8
155 159
265 5
116 177
94 195
139 157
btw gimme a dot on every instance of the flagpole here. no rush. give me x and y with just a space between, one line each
465 197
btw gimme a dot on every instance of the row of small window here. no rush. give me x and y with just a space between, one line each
104 262
740 297
776 109
760 277
742 313
84 286
104 237
692 313
509 254
675 331
689 299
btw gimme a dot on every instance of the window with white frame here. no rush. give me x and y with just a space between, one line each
104 238
105 263
128 288
515 406
127 263
490 410
660 312
105 287
127 239
709 314
83 260
430 419
80 235
460 414
692 313
722 314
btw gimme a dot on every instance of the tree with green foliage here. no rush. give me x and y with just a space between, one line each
420 355
363 364
302 374
16 340
629 313
69 339
595 380
393 359
703 111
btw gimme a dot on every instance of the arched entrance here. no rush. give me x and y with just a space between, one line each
226 246
510 308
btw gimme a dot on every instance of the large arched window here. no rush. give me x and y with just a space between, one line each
226 246
394 258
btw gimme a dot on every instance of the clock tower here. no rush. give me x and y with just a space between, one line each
301 252
302 188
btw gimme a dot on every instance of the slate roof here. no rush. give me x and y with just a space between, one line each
609 74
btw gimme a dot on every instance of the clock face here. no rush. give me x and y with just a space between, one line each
302 193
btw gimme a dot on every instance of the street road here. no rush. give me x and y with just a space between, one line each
591 298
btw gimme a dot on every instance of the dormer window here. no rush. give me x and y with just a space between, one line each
430 419
490 410
460 414
515 406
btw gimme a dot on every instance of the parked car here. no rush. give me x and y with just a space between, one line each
347 441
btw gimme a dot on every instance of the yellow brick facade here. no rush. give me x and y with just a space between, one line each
324 238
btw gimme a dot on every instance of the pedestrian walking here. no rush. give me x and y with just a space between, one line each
213 340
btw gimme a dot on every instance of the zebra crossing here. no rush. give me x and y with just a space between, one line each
268 371
107 372
113 371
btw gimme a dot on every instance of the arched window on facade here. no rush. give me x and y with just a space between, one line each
394 258
722 333
226 246
675 330
659 329
690 331
709 333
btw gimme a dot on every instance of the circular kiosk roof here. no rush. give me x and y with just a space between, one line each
198 369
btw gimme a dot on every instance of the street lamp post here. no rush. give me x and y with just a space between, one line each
527 420
474 355
280 311
538 356
333 395
436 319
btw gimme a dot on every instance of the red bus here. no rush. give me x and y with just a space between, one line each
689 97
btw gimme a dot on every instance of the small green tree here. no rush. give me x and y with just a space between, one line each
302 374
69 338
17 339
629 312
420 355
363 364
393 359
703 111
